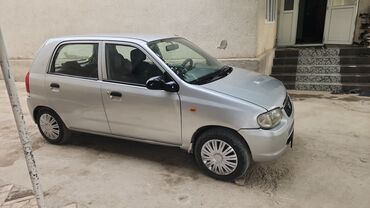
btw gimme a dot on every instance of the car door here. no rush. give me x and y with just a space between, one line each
288 18
74 87
133 110
340 21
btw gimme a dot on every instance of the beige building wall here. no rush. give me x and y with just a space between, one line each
266 39
27 24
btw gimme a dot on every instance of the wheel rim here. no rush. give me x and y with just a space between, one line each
49 126
219 157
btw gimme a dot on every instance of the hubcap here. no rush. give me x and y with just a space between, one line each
49 126
219 157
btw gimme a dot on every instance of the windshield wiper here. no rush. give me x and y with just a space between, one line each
225 70
222 72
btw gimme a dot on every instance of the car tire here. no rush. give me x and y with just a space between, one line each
222 154
51 127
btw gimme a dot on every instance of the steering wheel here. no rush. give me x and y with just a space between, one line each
188 62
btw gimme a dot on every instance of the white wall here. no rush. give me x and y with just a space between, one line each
26 24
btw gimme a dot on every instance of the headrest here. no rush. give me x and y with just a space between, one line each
137 56
111 49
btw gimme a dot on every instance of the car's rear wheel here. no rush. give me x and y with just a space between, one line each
222 154
52 127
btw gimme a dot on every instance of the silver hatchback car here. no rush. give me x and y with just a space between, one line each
162 90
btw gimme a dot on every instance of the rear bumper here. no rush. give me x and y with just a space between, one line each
266 145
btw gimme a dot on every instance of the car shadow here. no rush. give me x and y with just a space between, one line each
173 159
264 176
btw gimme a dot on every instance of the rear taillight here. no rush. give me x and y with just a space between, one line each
27 82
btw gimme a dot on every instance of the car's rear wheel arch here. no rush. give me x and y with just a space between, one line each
39 108
51 126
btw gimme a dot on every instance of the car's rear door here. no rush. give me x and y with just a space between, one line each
74 86
132 109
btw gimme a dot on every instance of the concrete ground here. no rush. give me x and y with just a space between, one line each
329 165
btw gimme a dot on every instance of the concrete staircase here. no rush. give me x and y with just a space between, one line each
338 70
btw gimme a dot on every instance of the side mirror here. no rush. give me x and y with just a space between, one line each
158 83
155 83
171 87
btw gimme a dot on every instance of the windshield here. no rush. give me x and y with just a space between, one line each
188 61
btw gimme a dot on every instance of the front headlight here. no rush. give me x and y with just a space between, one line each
270 119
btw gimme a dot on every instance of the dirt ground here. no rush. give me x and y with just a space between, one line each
329 165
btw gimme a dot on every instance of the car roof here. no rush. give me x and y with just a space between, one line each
116 37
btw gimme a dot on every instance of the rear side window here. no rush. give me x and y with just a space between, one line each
76 59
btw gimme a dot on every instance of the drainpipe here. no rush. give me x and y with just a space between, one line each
21 124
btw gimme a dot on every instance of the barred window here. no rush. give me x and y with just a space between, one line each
270 10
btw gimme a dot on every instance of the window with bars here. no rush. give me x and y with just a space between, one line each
270 11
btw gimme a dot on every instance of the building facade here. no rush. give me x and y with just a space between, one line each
252 29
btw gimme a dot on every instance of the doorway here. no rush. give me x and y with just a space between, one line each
311 21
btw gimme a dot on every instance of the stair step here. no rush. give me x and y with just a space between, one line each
309 79
320 69
334 84
354 69
344 67
355 60
286 61
308 52
295 52
332 87
305 60
354 51
325 60
326 78
331 74
315 69
286 53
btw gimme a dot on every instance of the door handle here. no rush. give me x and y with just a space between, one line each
114 94
54 85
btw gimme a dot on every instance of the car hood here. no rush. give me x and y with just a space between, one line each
261 90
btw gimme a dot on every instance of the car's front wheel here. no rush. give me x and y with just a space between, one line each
222 154
52 127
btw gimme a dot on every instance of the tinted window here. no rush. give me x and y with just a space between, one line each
129 64
77 60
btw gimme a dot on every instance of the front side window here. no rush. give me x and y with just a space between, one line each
77 60
129 64
188 61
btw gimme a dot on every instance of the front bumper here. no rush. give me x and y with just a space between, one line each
270 144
